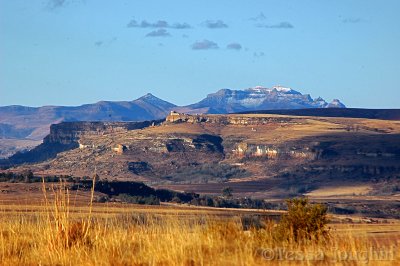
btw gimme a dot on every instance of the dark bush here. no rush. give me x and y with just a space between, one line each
303 221
212 172
148 200
227 192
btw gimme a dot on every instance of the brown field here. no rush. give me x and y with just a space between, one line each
63 228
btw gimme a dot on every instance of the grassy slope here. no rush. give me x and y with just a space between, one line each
61 232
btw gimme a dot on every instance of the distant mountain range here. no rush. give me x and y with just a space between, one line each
33 123
257 98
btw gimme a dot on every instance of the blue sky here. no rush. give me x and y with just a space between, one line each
71 52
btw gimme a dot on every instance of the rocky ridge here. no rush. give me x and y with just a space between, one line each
276 150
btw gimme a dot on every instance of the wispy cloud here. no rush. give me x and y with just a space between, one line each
54 4
180 26
100 43
204 45
234 46
352 20
281 25
158 24
258 54
259 17
215 24
158 33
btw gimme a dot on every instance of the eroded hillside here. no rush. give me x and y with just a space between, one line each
265 154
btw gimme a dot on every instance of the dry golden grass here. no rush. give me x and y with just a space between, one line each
59 236
359 189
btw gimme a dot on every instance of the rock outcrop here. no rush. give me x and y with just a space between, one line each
66 136
175 117
70 132
271 151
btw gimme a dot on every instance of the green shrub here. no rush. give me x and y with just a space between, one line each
303 221
148 200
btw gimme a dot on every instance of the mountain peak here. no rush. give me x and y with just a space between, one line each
148 96
153 100
336 104
221 92
320 102
283 89
274 89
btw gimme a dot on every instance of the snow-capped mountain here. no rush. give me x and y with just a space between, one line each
258 98
336 104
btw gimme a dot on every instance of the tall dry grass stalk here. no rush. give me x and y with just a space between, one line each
58 236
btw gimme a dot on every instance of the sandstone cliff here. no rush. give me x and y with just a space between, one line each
66 136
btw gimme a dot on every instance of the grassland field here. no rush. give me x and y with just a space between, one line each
59 227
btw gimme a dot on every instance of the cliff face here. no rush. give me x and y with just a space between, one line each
270 151
175 117
66 136
70 132
318 147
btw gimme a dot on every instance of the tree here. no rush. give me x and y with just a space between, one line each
227 192
28 176
303 221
